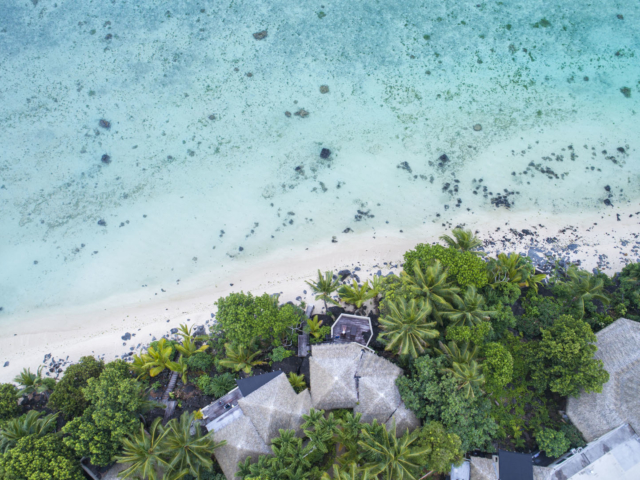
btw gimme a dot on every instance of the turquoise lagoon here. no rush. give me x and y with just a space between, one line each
207 171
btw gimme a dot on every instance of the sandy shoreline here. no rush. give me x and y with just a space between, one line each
606 239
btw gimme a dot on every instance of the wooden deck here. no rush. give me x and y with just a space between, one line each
222 406
303 345
351 328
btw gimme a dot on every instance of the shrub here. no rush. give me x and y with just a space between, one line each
115 400
200 361
242 317
67 395
502 320
40 458
497 365
563 360
540 312
506 293
279 354
443 448
8 401
552 442
167 343
465 334
630 284
217 386
573 435
464 268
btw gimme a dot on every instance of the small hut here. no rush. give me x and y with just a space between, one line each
243 441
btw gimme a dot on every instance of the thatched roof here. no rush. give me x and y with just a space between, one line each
378 395
404 419
243 441
597 413
332 372
274 406
372 364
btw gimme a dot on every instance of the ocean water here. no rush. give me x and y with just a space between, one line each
205 170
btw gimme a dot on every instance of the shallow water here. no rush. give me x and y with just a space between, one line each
207 170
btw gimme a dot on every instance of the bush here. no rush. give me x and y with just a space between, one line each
630 284
506 293
8 401
40 458
563 360
465 334
115 400
502 320
573 435
168 343
279 354
443 448
242 317
67 396
552 442
465 268
497 365
540 312
200 361
433 395
217 386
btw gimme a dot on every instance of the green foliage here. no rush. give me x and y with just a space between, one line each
573 435
464 334
553 443
297 382
324 287
279 354
40 458
563 360
464 268
180 367
505 293
115 399
513 268
188 346
29 424
585 287
502 319
434 395
313 327
355 294
243 317
630 284
31 382
442 448
201 361
464 241
468 310
497 365
540 312
405 330
144 452
324 330
217 386
240 357
67 396
8 401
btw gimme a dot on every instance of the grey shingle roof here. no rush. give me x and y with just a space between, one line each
597 413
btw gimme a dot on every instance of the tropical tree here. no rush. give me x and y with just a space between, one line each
188 454
157 358
297 382
348 472
188 346
513 268
180 367
315 327
240 357
456 354
432 285
584 287
29 424
443 448
355 294
144 452
320 430
67 395
32 382
465 241
468 375
468 310
393 458
406 329
9 407
324 287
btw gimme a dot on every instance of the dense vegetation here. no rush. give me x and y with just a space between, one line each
490 350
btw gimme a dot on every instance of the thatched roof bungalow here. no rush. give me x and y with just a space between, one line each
598 413
243 441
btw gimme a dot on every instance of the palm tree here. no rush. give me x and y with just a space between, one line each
143 452
348 472
188 454
180 368
139 367
455 354
314 326
406 329
432 285
349 433
469 375
513 268
29 424
465 241
31 382
356 295
297 382
324 287
240 358
157 358
320 430
584 287
468 310
188 346
393 458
